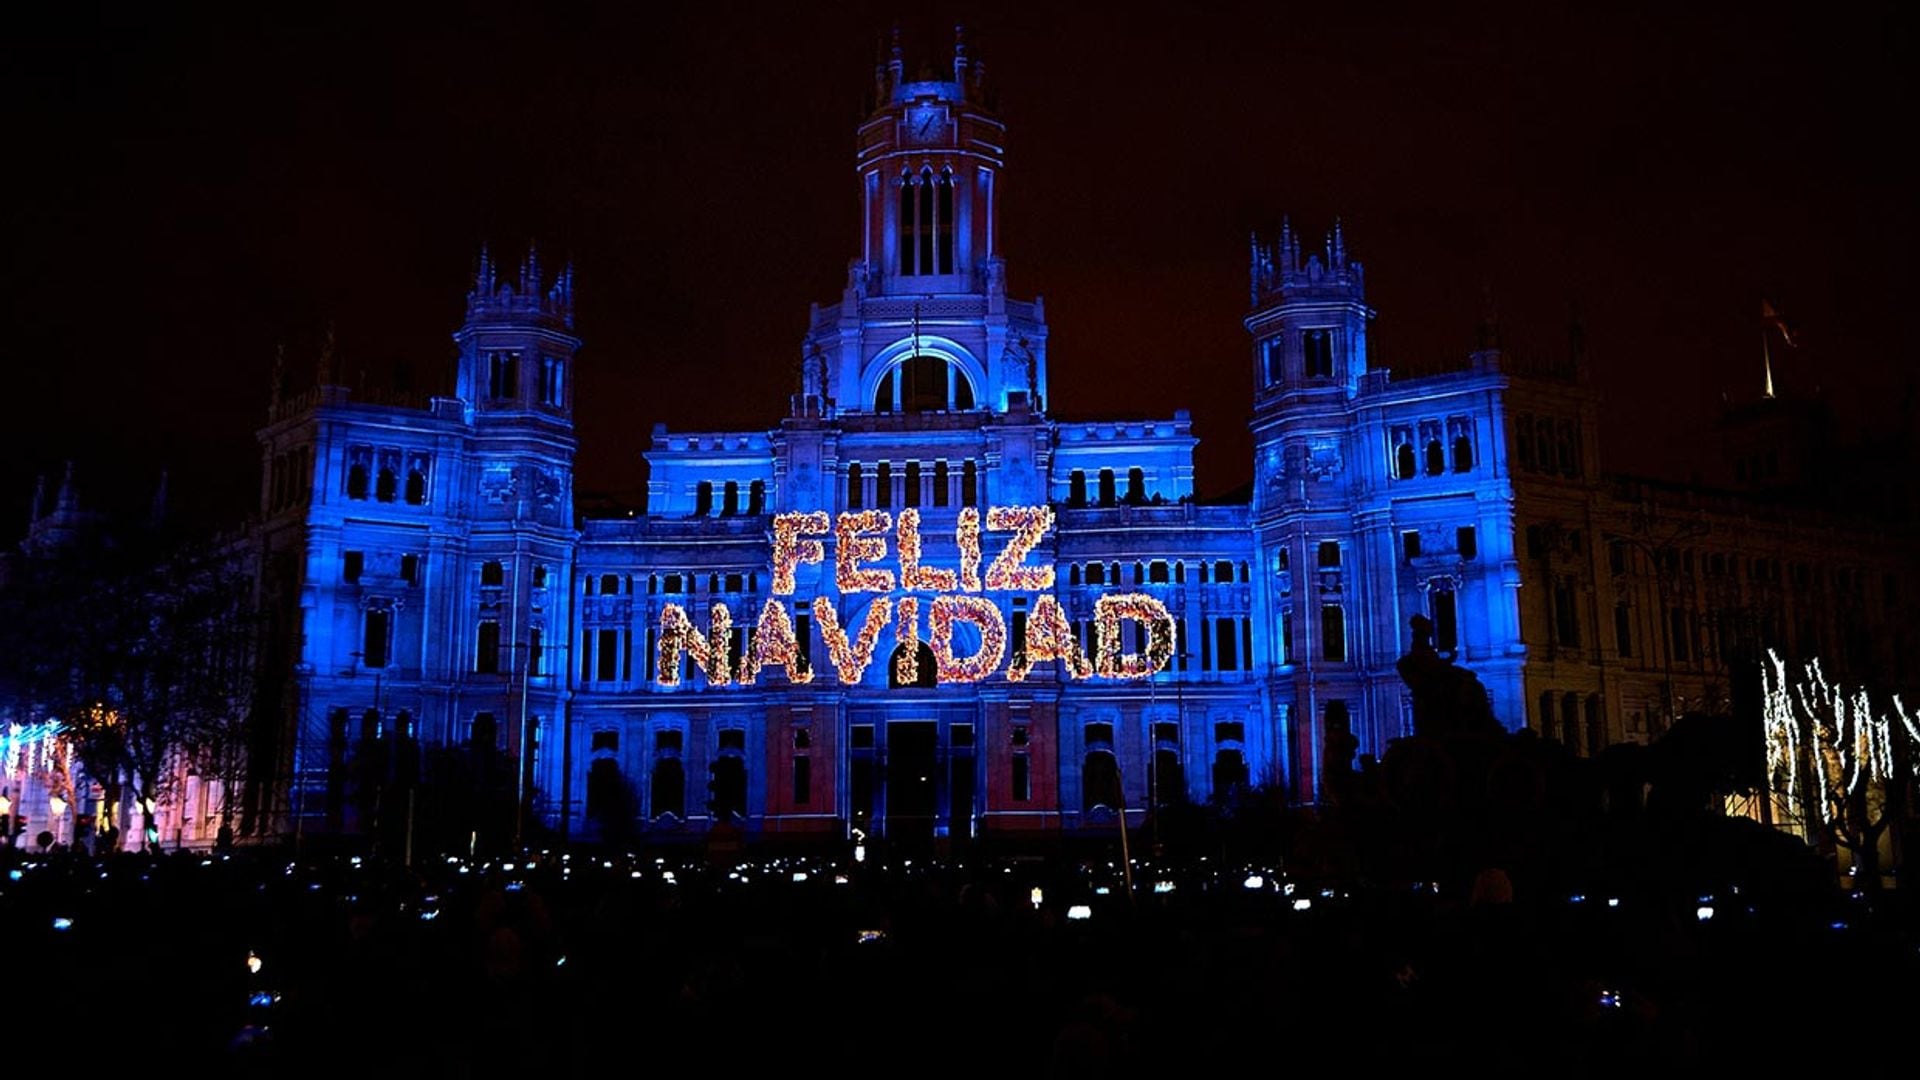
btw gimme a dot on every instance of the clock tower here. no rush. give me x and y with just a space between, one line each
929 161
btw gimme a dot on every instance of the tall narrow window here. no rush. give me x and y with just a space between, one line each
1106 487
907 222
410 569
946 229
1623 628
535 655
1276 356
1246 643
854 483
1446 628
486 649
730 499
1466 542
1136 486
609 667
502 374
351 565
941 480
883 485
969 484
1316 351
416 480
1566 614
757 497
1226 650
386 486
926 228
1333 633
802 780
911 497
357 480
1462 447
1546 715
1682 637
1286 636
1022 777
1410 544
703 498
551 385
1077 488
379 631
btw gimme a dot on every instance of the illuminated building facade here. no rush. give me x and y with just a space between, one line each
433 588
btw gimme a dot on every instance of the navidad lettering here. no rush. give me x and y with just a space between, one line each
860 539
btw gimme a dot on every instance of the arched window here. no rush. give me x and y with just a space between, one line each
1077 488
1436 457
757 497
1099 781
604 784
703 499
727 788
1106 487
925 228
357 480
417 483
730 499
943 211
854 492
923 383
908 224
1169 779
1229 772
669 794
1096 573
1136 486
1073 573
387 487
926 671
1462 453
969 484
1404 465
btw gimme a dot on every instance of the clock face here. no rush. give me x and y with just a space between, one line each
926 125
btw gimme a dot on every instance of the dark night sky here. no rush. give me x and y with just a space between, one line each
182 195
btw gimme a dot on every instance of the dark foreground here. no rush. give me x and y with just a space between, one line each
589 964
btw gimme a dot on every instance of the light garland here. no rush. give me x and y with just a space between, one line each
1825 746
912 574
983 613
709 653
852 547
774 642
906 668
967 536
850 659
1049 637
789 550
37 745
1108 611
1029 524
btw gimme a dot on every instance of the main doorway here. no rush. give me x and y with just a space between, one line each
912 788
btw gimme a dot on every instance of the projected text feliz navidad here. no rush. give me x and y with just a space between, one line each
859 540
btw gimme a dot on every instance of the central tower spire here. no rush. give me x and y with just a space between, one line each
930 155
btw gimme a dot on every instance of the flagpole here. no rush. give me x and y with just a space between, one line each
1766 361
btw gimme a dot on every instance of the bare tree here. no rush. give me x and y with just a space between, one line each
1838 762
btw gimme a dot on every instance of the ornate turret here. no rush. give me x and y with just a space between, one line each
517 345
1310 315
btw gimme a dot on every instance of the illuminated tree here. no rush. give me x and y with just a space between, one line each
1838 764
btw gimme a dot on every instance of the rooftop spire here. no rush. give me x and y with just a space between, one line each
896 65
960 53
1338 247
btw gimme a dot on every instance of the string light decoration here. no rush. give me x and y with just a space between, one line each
852 547
967 536
774 642
1009 570
1049 637
984 614
1826 746
709 652
790 549
1108 611
34 748
850 658
906 668
912 574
